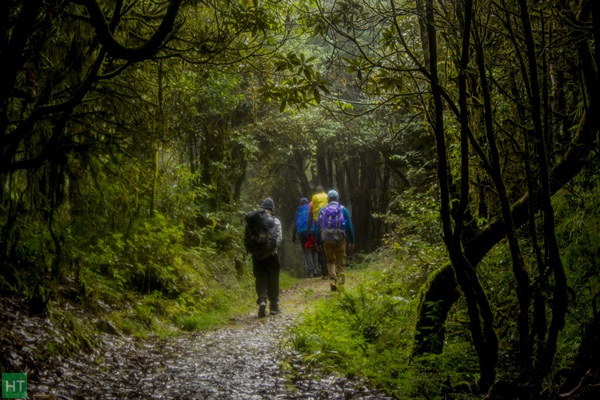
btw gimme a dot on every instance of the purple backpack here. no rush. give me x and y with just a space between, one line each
332 223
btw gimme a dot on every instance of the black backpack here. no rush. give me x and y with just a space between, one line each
260 236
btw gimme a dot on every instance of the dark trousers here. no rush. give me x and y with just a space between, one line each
323 262
321 258
266 275
310 256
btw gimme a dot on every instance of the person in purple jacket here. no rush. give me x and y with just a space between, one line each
334 233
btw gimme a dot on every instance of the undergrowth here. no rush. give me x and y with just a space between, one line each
367 330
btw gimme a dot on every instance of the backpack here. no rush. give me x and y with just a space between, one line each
302 219
260 235
319 201
332 223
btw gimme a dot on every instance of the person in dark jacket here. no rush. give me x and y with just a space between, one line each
300 230
334 232
266 270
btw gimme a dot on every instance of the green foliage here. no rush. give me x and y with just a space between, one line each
578 228
307 293
415 231
303 85
577 221
150 274
152 252
76 335
208 295
148 260
414 218
367 331
200 322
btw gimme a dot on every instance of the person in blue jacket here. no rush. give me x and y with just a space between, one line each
334 233
309 251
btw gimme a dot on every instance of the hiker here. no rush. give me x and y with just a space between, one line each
334 231
262 238
300 230
318 201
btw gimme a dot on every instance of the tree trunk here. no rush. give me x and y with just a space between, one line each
519 271
322 174
340 181
362 206
382 201
301 174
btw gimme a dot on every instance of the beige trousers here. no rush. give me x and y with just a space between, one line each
336 261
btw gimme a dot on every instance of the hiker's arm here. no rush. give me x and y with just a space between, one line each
279 232
349 227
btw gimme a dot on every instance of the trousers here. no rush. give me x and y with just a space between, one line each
266 279
336 260
311 262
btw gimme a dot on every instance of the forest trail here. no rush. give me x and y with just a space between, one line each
242 360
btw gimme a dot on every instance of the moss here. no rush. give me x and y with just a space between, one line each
436 297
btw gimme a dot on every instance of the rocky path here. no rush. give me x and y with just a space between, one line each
240 361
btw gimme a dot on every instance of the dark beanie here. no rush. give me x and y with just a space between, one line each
268 204
304 200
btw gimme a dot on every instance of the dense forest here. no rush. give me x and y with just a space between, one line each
462 135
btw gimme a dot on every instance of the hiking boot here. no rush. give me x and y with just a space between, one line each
275 311
333 283
274 308
262 310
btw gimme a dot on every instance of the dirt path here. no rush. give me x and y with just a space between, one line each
240 361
